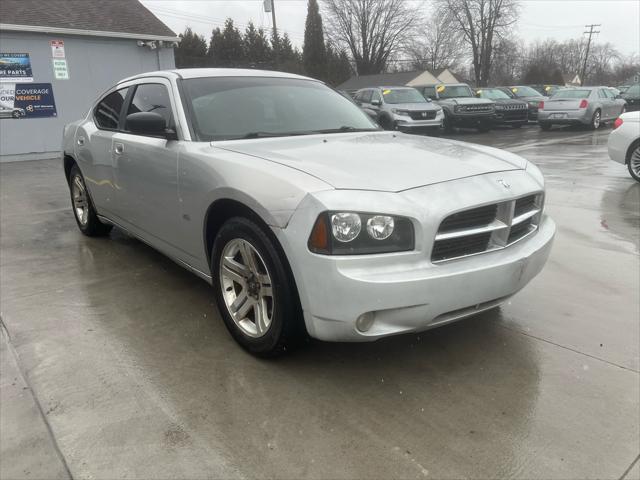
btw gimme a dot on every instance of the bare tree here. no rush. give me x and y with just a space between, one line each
481 23
372 30
440 47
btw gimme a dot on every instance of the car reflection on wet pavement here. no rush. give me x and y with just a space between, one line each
136 375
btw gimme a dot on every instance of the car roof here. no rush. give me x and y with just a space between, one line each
188 73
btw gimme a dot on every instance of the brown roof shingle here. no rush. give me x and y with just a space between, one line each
122 16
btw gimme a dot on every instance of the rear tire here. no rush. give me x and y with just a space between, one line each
251 280
545 127
82 205
596 120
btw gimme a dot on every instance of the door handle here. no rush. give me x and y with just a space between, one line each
118 148
80 141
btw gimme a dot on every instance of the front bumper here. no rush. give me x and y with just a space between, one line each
406 292
511 117
565 117
471 120
404 122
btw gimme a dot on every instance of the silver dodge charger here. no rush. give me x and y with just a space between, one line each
305 217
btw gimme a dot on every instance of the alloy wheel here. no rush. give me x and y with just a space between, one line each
596 120
246 287
80 202
634 162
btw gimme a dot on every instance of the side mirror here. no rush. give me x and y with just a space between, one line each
619 97
376 103
149 123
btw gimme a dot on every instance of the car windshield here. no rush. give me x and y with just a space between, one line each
525 92
229 108
454 91
633 90
493 94
402 95
570 93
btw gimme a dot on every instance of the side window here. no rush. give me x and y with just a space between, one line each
601 94
152 97
429 92
376 96
610 94
107 112
366 96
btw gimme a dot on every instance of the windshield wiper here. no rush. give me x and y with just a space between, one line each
273 134
347 128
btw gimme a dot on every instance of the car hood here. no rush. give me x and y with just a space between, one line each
415 107
466 101
382 161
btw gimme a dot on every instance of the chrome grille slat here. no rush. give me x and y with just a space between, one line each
487 228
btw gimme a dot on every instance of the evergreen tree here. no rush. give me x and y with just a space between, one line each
257 48
214 53
338 66
191 51
226 48
314 53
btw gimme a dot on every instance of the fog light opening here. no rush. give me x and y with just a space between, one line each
365 321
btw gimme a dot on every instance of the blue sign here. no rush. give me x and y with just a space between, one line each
15 67
30 100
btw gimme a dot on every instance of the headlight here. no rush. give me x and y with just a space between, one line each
439 112
400 112
341 233
459 108
533 104
499 107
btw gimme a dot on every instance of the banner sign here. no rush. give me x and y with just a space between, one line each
57 48
15 67
27 100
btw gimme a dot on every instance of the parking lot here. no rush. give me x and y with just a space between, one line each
116 364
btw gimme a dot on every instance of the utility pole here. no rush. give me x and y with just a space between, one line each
270 6
273 17
586 55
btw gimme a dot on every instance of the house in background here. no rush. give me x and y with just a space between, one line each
413 78
571 80
58 56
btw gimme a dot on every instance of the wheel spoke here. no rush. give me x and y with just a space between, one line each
247 256
241 306
260 316
233 268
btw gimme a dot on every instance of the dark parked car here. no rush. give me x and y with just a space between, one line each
529 95
461 107
632 96
509 111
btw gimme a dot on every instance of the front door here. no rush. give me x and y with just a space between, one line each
146 170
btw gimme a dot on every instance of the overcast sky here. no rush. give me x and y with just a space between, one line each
539 19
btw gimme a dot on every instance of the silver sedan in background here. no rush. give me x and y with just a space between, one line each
590 106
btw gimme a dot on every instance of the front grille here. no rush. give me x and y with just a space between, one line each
524 204
486 228
461 246
476 217
422 115
475 109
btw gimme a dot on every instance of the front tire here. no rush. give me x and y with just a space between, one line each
254 290
83 209
545 127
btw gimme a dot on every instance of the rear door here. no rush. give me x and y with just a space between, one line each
607 104
146 169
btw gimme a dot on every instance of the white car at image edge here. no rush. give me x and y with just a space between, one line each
624 142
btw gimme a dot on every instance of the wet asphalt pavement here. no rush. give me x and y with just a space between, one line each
115 363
